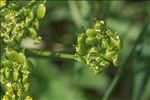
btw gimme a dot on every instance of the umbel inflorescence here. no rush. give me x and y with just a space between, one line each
98 46
18 20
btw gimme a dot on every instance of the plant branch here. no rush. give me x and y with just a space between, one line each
47 54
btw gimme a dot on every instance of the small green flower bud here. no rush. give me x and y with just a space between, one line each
81 39
19 92
99 26
90 32
26 86
25 77
31 15
2 3
93 50
28 98
10 42
36 24
41 10
13 96
5 97
15 74
104 63
21 58
116 61
91 40
32 33
37 40
7 72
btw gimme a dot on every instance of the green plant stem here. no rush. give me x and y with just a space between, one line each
47 54
128 60
111 87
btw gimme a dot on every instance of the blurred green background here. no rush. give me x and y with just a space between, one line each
62 79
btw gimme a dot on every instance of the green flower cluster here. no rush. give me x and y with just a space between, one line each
17 23
98 46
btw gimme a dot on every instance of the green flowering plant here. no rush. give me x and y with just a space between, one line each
17 23
98 46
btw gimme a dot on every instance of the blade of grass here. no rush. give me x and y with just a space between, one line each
78 20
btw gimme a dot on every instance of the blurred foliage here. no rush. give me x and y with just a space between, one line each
58 79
